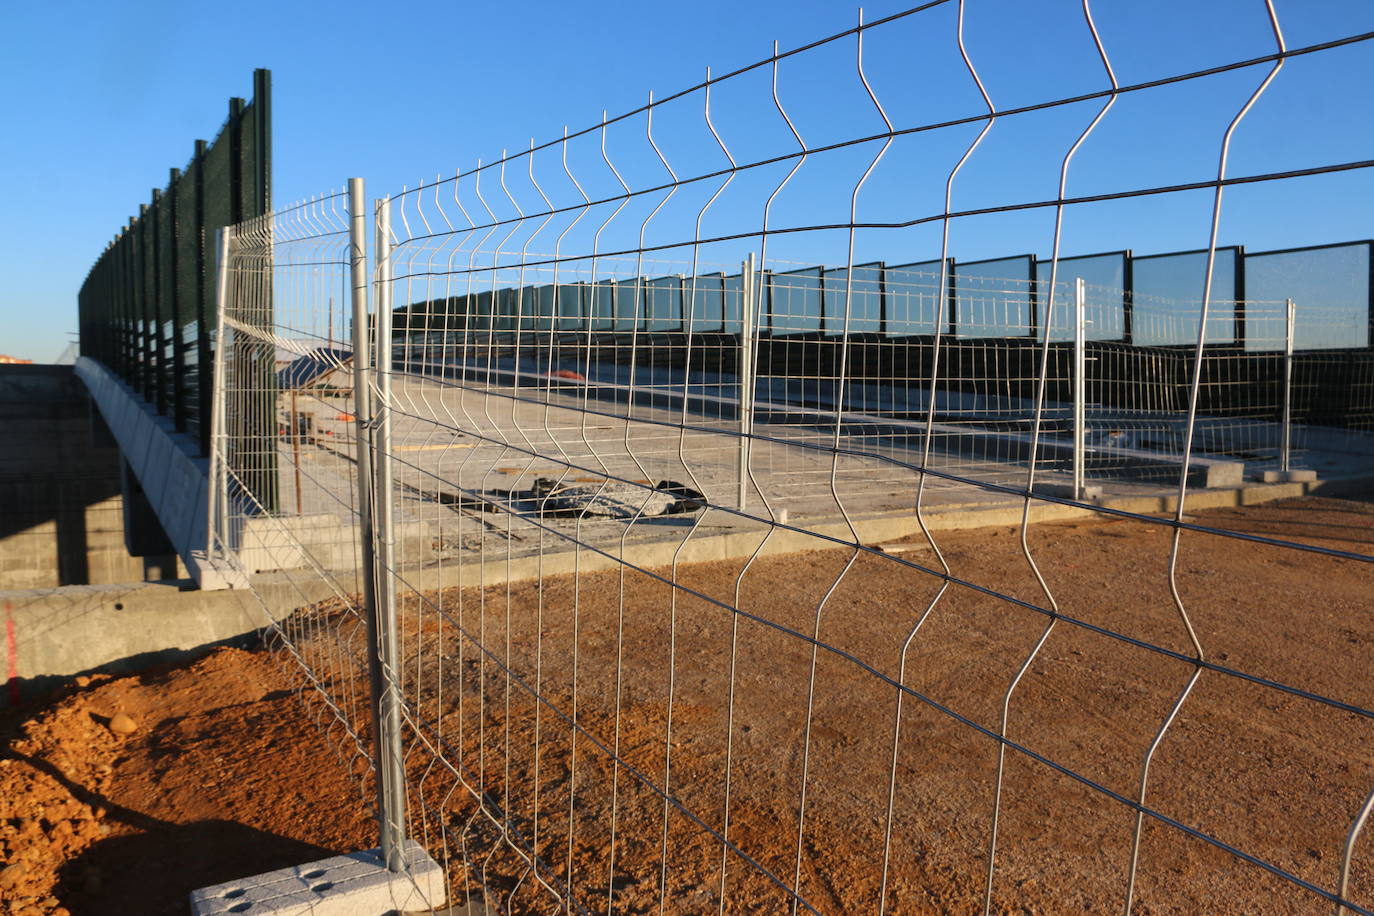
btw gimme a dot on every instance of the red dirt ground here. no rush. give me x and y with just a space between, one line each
223 778
227 774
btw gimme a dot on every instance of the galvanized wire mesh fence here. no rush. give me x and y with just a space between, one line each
668 615
284 446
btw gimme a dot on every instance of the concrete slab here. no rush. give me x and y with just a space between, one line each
159 475
213 572
356 884
139 436
197 518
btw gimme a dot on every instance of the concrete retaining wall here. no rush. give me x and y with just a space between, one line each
61 512
52 635
166 464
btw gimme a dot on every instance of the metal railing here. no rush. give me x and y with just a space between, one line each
627 614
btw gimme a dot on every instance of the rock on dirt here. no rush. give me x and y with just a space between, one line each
123 724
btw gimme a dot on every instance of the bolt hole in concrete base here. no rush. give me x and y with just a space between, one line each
236 892
313 873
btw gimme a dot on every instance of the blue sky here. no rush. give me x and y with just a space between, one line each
104 98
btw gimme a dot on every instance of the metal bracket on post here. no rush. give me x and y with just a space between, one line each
748 295
1080 365
373 430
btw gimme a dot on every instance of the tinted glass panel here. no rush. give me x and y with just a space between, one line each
862 295
734 299
913 299
570 307
1104 280
1330 292
705 293
1168 298
542 308
665 304
505 309
627 304
481 311
795 302
993 298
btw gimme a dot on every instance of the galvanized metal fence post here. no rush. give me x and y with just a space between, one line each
1286 430
362 397
217 513
1080 365
363 419
385 667
748 294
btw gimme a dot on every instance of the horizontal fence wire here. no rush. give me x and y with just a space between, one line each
685 619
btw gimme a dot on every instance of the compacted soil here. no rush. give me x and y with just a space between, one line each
789 760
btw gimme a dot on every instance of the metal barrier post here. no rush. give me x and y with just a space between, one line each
218 510
1286 430
362 425
362 394
1080 364
746 373
385 657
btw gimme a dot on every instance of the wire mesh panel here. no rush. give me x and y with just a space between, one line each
684 627
676 425
286 507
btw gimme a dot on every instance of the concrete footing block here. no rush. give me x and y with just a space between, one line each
215 573
1288 476
357 884
1091 491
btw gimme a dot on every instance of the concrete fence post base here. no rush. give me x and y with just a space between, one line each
1294 476
357 884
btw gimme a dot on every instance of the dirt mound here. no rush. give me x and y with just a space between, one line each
222 775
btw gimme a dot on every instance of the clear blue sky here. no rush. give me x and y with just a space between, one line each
105 97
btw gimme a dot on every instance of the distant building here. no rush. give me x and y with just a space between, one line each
14 360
